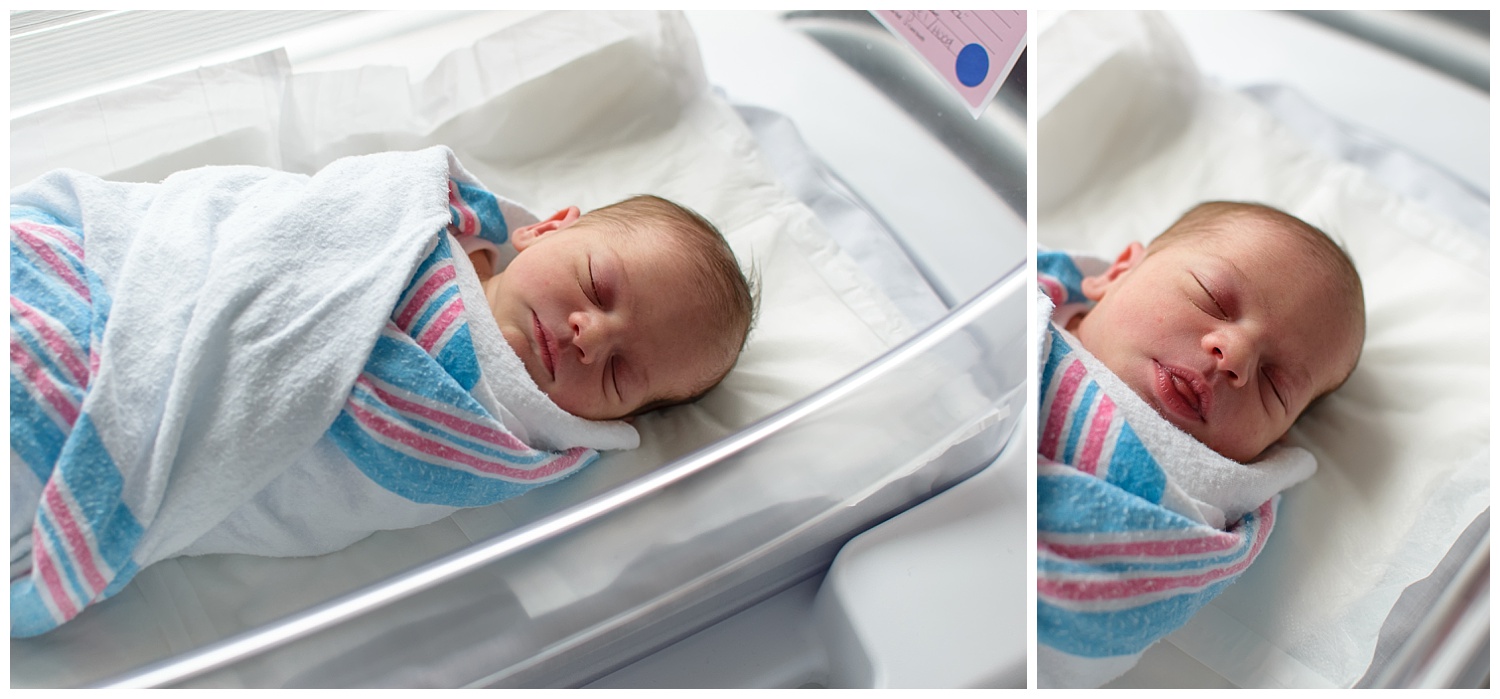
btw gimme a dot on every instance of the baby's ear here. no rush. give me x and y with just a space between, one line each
1097 286
524 236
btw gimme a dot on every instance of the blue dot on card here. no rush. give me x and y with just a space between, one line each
973 64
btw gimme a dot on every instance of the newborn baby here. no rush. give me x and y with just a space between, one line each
632 307
1230 324
1167 378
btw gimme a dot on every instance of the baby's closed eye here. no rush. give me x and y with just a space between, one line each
1211 306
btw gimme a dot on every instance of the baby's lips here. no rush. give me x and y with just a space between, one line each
1182 393
544 346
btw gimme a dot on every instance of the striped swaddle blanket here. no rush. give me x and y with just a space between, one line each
411 424
244 360
1125 555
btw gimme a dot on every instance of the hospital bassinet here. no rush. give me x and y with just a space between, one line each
570 582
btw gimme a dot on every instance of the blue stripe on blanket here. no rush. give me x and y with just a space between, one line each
1072 508
411 424
433 308
455 352
418 479
476 212
51 329
364 396
1090 392
34 435
98 488
459 360
1076 512
1128 622
1057 347
85 545
1132 468
41 289
1060 267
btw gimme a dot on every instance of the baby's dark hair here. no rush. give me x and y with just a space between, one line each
733 295
1217 217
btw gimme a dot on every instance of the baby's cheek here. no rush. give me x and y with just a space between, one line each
516 341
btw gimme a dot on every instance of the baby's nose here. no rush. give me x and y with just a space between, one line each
590 335
1232 357
1235 365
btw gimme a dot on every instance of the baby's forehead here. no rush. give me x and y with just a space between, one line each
1259 252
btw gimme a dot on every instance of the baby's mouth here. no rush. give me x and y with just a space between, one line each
544 346
1181 393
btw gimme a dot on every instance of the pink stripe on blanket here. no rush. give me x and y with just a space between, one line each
468 223
435 281
479 431
64 350
400 434
1053 288
52 580
59 267
41 381
1212 543
1133 587
63 238
1094 443
434 330
78 545
1062 399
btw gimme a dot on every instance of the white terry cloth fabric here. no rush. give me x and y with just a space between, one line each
322 502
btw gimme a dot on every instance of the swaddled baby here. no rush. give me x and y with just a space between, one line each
1169 376
1230 324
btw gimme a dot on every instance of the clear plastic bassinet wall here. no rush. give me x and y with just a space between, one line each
861 396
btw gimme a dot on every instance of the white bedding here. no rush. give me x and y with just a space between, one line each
1403 447
620 108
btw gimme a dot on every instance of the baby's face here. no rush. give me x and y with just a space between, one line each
605 322
1229 337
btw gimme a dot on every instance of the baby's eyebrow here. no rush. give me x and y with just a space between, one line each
1240 273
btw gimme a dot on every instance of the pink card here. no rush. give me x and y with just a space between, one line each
973 50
